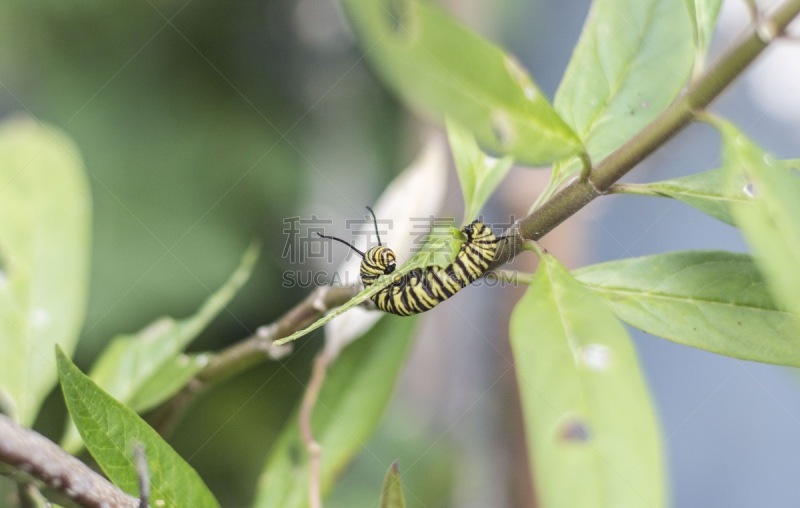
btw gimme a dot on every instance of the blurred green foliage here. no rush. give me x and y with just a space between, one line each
202 125
193 119
180 164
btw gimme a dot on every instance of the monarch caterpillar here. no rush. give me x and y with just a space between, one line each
423 288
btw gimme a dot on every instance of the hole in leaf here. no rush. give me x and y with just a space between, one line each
574 429
4 269
502 128
401 18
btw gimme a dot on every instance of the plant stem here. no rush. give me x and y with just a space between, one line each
250 351
672 120
513 277
638 189
542 220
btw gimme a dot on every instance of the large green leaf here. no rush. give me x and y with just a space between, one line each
478 175
712 192
111 431
707 191
45 213
588 415
632 60
144 369
713 300
770 222
441 68
349 407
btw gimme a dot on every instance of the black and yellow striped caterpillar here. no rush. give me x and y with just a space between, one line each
423 288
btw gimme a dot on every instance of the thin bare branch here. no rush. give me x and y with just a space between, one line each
33 456
252 350
313 448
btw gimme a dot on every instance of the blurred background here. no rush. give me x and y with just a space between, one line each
204 125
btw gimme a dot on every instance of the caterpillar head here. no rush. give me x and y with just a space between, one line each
377 261
477 230
384 257
469 230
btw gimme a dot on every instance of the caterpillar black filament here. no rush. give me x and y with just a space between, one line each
423 288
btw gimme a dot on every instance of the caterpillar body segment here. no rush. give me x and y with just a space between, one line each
423 288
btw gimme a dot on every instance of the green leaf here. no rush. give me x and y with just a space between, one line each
770 222
712 300
706 191
45 211
587 411
111 431
361 297
349 407
128 366
168 381
478 175
441 68
703 15
392 491
632 60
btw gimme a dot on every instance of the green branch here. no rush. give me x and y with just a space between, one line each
560 207
678 115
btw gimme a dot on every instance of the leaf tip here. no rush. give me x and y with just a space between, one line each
61 357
